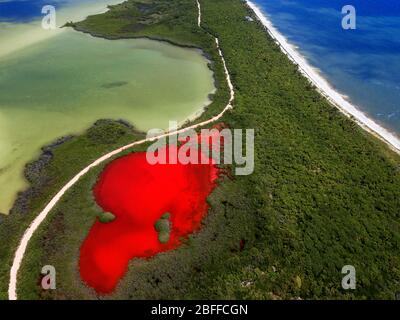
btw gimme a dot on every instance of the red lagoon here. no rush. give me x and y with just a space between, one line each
139 194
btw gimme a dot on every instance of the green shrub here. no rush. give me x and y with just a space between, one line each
163 227
106 217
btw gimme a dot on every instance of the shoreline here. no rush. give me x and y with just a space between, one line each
196 114
322 85
334 159
35 224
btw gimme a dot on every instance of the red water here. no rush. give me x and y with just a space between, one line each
138 194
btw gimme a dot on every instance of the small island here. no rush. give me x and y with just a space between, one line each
106 217
163 227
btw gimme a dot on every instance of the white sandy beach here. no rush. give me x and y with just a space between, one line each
324 87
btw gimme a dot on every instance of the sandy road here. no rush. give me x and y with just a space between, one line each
20 253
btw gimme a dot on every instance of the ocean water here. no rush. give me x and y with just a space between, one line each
363 64
59 82
24 11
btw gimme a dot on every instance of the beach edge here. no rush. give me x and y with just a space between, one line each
322 85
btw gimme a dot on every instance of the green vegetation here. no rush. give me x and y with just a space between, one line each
106 217
171 21
47 178
163 227
147 18
324 194
69 24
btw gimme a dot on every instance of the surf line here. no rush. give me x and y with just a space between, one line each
323 87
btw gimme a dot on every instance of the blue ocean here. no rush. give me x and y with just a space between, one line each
361 63
25 11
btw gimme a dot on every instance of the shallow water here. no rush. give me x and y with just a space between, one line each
126 188
62 84
21 21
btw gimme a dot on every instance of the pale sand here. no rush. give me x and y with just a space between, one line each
324 87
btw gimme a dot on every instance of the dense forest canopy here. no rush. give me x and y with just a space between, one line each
324 193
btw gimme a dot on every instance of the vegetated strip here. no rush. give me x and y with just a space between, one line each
19 254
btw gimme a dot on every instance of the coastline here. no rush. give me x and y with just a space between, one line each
196 114
25 186
315 170
322 85
35 224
